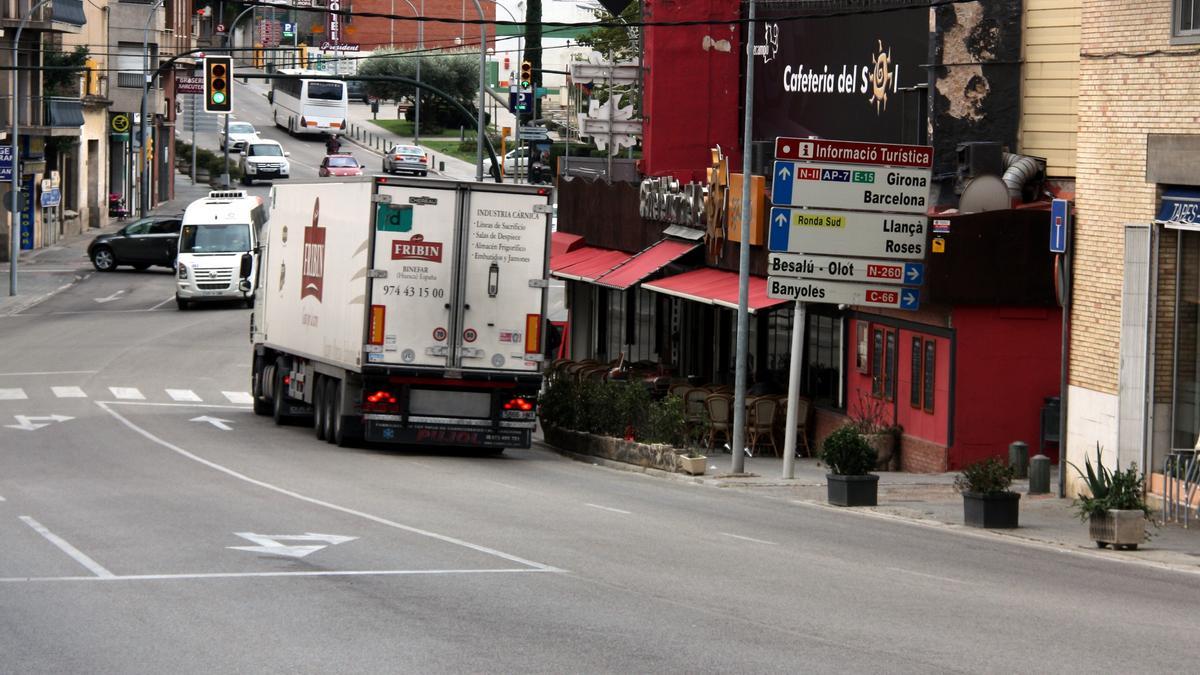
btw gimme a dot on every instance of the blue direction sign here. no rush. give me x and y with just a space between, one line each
1060 222
910 298
51 197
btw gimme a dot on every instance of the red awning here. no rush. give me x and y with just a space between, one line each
563 242
586 263
714 287
646 263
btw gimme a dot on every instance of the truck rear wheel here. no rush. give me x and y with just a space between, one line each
342 435
319 410
330 408
277 398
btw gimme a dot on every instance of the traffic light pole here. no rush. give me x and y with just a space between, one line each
144 190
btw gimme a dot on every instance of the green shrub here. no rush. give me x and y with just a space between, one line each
989 477
1122 490
665 423
847 453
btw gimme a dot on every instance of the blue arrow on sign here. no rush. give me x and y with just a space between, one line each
781 187
914 273
910 298
779 230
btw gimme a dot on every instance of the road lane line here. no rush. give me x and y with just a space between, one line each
242 397
313 500
222 406
929 576
161 304
55 372
608 508
79 556
183 395
751 539
257 575
68 392
127 393
12 395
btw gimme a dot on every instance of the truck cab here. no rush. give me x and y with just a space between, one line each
219 246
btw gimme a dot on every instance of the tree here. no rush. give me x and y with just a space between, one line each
62 69
616 43
457 74
533 51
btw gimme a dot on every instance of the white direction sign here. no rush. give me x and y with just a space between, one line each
850 186
29 423
845 269
272 544
843 293
850 233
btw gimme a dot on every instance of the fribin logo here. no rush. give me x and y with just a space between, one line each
312 278
417 249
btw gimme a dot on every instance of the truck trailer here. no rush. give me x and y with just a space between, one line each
404 311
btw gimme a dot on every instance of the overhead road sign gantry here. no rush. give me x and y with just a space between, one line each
849 186
843 293
853 233
871 270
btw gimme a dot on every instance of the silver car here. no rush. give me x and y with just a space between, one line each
406 158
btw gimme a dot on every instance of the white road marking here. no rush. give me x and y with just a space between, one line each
68 392
242 397
2 499
183 395
928 576
161 304
608 508
109 298
329 505
256 575
55 372
12 395
26 422
752 539
79 556
215 421
221 406
127 393
272 544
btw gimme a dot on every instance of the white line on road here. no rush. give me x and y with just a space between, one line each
329 505
79 556
242 397
2 499
55 372
752 539
161 304
255 575
183 395
608 508
928 576
127 393
221 406
68 392
12 395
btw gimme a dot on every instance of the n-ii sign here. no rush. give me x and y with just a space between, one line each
848 186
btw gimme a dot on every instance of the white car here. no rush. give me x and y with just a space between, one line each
510 162
240 133
264 160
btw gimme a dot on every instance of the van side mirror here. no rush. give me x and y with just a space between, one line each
247 265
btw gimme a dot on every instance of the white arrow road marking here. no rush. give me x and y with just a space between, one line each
110 298
215 421
26 423
270 543
68 392
127 393
12 395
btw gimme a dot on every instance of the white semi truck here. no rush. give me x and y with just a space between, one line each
404 311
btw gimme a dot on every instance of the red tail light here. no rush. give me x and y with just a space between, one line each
517 403
287 379
381 402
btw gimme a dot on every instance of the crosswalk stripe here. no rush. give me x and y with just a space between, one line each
127 393
242 397
12 395
68 392
183 395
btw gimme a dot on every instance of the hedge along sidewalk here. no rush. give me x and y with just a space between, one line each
378 140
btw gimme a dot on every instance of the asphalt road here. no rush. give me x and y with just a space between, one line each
151 522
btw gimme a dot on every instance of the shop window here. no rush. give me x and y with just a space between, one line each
918 355
924 374
930 374
1186 404
883 363
823 357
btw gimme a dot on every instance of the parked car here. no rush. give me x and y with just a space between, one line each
264 159
339 165
406 158
140 244
240 133
510 162
356 90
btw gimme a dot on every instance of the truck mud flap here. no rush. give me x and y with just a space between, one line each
378 431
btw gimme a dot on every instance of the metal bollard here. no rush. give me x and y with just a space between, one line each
1018 458
1039 475
442 167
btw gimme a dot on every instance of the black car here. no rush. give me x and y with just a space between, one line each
142 243
356 90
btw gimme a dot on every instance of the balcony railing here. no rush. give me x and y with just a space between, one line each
43 111
130 80
63 112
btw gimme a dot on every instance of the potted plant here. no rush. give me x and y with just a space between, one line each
870 418
1116 509
850 460
987 501
692 462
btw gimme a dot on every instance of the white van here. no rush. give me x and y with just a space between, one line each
219 248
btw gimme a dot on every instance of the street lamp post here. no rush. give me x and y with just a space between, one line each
482 89
144 192
14 227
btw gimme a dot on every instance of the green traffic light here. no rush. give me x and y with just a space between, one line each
218 97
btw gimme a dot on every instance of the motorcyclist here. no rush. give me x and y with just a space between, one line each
332 145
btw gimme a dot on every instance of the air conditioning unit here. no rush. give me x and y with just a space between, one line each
978 158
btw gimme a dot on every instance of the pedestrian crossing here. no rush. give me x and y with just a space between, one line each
127 394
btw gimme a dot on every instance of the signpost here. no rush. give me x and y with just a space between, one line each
847 233
850 186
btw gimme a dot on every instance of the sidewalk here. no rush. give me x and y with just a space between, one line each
376 139
43 272
930 500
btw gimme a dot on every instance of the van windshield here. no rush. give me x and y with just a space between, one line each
214 238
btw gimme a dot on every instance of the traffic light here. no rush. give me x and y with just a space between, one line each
218 89
526 75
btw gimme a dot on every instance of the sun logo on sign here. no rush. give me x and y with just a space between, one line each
881 78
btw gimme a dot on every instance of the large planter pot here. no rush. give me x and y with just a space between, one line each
1121 529
693 465
853 490
887 459
995 511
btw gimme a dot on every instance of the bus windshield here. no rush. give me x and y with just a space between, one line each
215 238
325 91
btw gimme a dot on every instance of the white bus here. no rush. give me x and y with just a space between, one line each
308 105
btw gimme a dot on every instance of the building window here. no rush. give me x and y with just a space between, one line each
924 374
1186 28
918 379
883 362
823 377
929 374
